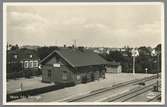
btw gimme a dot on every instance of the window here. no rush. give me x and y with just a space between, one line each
35 64
25 64
15 56
49 73
30 64
64 75
30 56
78 77
56 65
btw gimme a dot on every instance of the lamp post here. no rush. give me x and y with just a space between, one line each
134 64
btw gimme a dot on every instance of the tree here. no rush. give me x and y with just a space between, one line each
45 51
119 57
14 47
143 60
157 58
115 56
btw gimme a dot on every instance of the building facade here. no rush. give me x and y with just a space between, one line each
22 62
114 67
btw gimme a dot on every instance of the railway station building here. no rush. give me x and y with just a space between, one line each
73 65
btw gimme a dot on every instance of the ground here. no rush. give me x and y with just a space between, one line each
35 82
68 92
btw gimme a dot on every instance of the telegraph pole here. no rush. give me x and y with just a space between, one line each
158 70
157 54
134 64
75 43
134 54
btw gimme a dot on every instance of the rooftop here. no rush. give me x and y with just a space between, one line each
78 57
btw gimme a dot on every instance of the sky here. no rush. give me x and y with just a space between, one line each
88 25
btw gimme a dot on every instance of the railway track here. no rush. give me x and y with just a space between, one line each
101 91
156 98
133 93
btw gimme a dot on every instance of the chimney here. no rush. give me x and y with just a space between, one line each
81 48
73 46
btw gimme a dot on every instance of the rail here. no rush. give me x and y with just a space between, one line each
95 92
132 94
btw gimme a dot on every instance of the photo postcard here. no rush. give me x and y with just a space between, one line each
82 53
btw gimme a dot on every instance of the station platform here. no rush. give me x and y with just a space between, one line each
23 84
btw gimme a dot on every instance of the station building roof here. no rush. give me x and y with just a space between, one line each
77 57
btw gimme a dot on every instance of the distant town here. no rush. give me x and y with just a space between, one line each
145 61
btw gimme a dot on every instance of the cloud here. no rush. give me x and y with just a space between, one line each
26 21
154 27
107 26
29 17
98 27
74 20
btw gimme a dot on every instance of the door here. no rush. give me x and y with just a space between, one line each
49 74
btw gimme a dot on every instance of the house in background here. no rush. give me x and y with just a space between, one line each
114 67
73 65
22 62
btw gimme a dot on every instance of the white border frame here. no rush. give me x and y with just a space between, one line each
81 4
